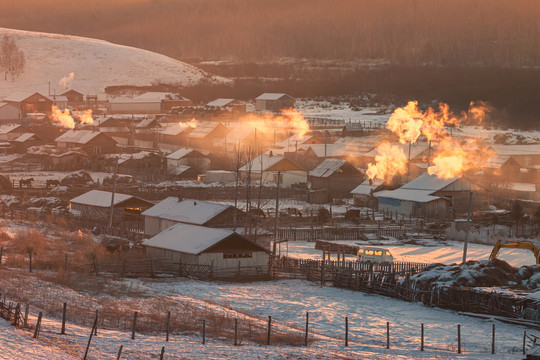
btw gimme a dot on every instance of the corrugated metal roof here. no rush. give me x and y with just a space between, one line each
272 96
220 102
78 136
327 168
421 196
100 198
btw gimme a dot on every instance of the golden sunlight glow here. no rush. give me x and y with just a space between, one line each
191 123
290 120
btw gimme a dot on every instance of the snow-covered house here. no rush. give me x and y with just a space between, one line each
220 248
142 162
9 132
363 194
338 177
69 160
207 134
230 104
9 112
265 167
274 102
148 103
174 137
92 142
433 197
26 140
96 204
188 157
173 210
30 102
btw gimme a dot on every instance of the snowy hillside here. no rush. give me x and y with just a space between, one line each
96 64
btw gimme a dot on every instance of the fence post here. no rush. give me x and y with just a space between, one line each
459 339
26 310
168 321
162 352
64 310
307 326
346 331
134 325
235 332
38 325
94 329
269 330
388 335
1 253
493 339
204 332
524 340
422 338
119 352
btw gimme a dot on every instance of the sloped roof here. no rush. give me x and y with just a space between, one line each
186 211
203 129
272 96
532 149
327 168
220 102
421 196
145 123
180 153
192 239
24 137
149 97
271 163
495 162
21 96
415 149
332 150
7 128
179 170
429 182
365 188
100 198
78 136
177 129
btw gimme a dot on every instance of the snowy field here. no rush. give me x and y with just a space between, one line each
96 64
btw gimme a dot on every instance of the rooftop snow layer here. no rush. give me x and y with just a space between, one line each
78 136
100 198
186 211
327 168
271 96
189 239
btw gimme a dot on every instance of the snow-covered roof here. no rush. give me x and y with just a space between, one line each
271 163
421 196
78 136
7 128
365 188
59 98
327 168
428 182
145 123
186 211
415 149
21 96
24 137
203 129
532 149
100 198
180 153
515 186
149 97
272 96
177 129
179 170
220 102
189 239
495 162
332 150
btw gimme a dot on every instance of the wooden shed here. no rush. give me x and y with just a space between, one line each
188 157
92 142
224 250
337 176
274 102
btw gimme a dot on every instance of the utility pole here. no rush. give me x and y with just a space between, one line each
277 214
111 211
465 243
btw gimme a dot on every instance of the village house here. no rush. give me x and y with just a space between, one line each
60 101
207 134
184 172
198 245
265 167
9 112
26 140
148 103
92 142
69 160
141 163
363 194
10 132
28 102
433 197
274 102
174 137
96 205
228 104
338 177
173 210
196 159
75 99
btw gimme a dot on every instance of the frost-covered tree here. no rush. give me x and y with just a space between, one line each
12 58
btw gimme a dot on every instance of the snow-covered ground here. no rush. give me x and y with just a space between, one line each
342 111
96 64
427 251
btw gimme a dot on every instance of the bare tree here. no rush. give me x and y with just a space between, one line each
12 58
239 159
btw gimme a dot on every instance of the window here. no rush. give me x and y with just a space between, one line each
237 255
378 253
387 253
369 252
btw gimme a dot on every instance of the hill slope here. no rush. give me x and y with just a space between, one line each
96 64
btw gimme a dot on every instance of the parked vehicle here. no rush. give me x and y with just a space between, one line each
374 255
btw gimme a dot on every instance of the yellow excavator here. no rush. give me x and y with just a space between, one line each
515 245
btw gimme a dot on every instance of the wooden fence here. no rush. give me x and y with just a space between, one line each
350 233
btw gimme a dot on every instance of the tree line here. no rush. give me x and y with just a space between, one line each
402 32
12 59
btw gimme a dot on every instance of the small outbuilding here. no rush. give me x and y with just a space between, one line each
92 142
337 176
188 157
224 250
274 102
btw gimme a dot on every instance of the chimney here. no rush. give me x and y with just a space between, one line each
270 153
194 203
